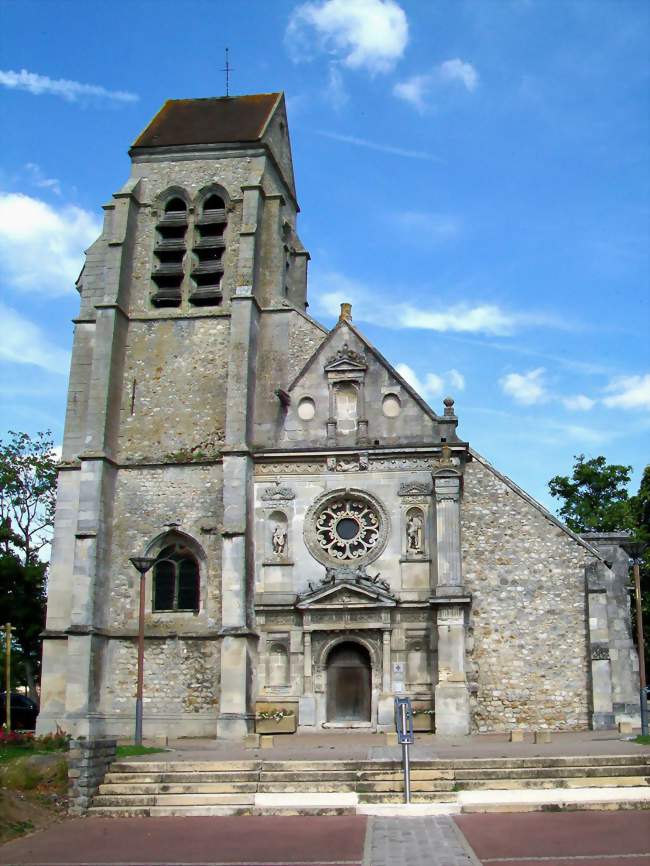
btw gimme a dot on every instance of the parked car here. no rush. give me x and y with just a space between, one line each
23 711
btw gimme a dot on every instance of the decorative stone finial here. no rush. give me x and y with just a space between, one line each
346 313
449 405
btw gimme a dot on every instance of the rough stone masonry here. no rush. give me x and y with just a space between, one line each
321 540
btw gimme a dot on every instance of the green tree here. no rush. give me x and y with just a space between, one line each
27 498
595 497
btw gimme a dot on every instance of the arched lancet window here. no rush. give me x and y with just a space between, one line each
175 205
209 247
169 254
176 579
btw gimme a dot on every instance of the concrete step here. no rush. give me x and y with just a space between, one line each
416 797
296 787
576 782
307 775
513 763
191 799
552 772
398 773
320 766
204 788
167 811
184 766
158 778
398 785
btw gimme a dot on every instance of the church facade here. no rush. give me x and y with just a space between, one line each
323 540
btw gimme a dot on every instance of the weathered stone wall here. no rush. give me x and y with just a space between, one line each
181 686
174 389
145 500
305 337
88 763
528 622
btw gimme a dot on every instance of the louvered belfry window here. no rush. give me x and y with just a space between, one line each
176 580
209 245
169 253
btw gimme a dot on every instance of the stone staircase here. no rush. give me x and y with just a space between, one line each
338 787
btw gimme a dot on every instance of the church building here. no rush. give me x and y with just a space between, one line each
323 540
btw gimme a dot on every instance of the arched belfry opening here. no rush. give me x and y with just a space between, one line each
348 683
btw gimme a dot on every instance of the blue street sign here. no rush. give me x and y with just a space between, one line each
404 721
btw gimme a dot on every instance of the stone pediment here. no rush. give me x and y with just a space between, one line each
346 595
346 359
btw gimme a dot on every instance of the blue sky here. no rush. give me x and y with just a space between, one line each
474 176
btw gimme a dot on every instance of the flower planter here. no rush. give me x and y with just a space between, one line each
287 724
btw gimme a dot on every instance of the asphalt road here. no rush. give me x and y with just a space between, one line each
528 839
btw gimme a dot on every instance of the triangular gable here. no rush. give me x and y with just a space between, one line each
325 348
346 594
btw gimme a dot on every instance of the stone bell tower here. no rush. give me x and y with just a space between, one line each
189 300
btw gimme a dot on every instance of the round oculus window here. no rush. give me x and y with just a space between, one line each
306 409
391 406
346 527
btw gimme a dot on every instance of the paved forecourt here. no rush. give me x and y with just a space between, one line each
559 839
224 841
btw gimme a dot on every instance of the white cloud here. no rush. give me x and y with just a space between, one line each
71 91
363 34
37 178
330 289
579 403
457 70
418 89
414 90
525 388
427 226
23 342
433 384
460 318
382 148
41 247
456 379
629 392
336 92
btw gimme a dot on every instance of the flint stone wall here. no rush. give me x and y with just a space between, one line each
181 687
527 640
88 763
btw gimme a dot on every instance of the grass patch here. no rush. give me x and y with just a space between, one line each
130 751
643 741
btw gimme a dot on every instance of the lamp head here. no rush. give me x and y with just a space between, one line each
142 563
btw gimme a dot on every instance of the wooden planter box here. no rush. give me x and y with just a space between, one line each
285 725
422 722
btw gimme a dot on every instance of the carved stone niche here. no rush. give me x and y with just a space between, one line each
346 372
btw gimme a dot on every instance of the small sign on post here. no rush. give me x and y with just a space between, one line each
404 728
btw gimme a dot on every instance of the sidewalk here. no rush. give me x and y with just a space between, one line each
349 745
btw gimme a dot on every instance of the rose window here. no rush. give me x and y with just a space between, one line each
347 528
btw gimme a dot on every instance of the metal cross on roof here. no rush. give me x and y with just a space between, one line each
227 69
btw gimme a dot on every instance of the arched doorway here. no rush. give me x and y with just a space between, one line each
348 683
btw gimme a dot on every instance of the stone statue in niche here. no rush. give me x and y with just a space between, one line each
279 540
414 533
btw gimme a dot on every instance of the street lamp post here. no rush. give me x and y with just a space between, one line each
142 564
635 550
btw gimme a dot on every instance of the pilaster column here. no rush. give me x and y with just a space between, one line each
236 715
385 684
307 686
603 716
451 694
450 573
